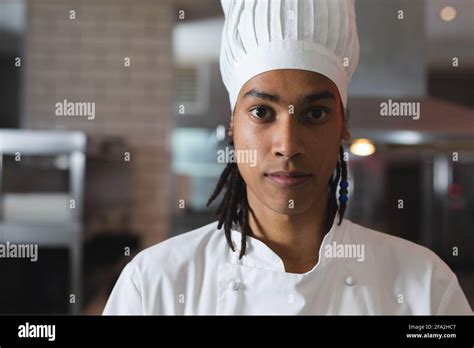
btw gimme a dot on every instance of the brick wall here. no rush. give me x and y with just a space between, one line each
82 60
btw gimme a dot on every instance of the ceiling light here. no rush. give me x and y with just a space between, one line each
362 147
447 13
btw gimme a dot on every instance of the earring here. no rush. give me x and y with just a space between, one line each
343 184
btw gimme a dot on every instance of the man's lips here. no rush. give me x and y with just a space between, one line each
287 179
291 174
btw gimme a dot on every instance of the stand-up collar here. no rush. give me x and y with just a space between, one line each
259 255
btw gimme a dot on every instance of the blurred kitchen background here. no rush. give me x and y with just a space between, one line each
92 193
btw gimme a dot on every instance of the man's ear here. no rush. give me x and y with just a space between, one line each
346 135
230 129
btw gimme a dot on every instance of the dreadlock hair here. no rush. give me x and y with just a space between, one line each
234 207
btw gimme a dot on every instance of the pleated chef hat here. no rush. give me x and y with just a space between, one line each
264 35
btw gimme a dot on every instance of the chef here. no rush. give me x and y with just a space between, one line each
281 244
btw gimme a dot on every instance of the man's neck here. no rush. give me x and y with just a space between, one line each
295 238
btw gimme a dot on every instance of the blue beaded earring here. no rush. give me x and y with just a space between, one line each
343 184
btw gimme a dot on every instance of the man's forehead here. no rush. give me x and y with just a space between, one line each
289 76
289 84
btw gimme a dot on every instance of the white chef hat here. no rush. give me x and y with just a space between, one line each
264 35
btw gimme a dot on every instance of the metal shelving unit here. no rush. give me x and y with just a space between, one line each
51 234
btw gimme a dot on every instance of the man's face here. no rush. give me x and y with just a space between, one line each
293 121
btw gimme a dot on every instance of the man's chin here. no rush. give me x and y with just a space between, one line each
288 209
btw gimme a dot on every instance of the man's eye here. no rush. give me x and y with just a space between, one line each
318 114
259 112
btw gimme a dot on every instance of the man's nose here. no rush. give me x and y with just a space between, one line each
287 142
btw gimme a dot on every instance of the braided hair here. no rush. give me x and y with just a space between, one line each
234 207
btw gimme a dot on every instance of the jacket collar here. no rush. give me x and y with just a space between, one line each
259 255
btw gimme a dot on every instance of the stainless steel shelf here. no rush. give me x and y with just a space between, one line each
67 234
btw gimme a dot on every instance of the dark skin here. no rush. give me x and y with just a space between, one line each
289 132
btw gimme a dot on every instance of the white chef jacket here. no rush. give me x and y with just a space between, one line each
197 273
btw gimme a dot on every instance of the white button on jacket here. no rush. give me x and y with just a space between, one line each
197 273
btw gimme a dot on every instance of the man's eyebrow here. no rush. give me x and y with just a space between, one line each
275 98
317 96
262 95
